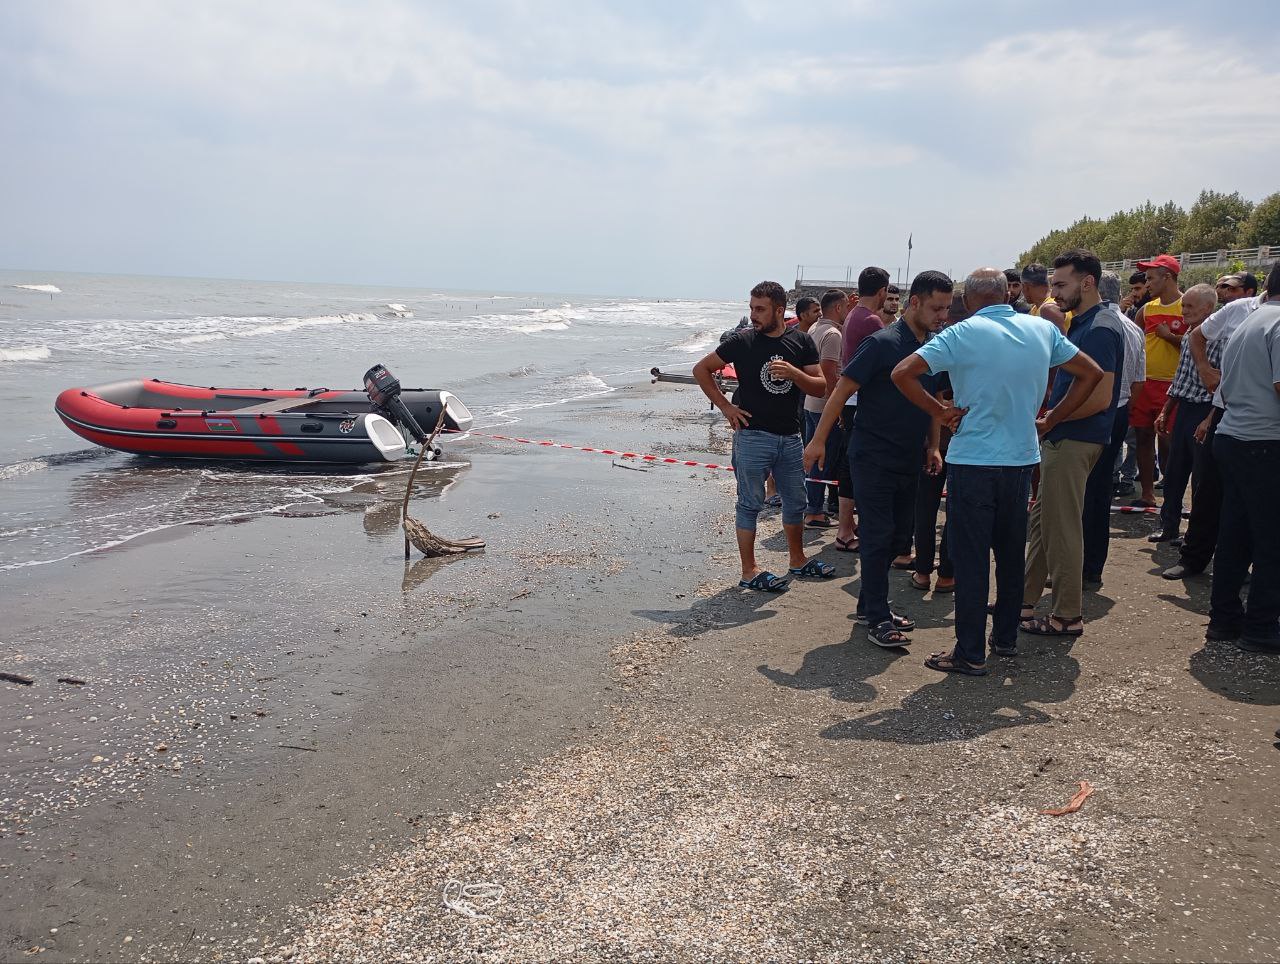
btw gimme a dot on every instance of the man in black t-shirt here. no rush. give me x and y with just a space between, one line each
776 365
886 446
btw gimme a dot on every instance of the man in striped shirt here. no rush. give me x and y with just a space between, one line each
1187 403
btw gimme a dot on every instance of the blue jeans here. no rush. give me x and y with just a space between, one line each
886 506
756 454
1248 534
816 491
987 515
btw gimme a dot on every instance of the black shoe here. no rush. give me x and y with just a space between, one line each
998 650
1180 571
1092 583
1123 488
1163 535
1217 633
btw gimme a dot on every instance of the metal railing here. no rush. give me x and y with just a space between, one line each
1249 257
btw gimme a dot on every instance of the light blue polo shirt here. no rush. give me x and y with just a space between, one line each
998 361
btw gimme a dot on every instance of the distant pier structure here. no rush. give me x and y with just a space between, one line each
813 280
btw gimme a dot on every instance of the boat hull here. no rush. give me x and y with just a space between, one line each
168 420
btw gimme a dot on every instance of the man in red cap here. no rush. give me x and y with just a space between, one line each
1161 320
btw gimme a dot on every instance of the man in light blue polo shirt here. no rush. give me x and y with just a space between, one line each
998 361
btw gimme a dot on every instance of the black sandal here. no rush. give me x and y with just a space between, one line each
764 582
847 545
900 622
888 636
1043 626
948 663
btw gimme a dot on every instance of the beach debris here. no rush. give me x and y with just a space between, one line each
472 900
1076 802
293 746
71 681
17 678
423 539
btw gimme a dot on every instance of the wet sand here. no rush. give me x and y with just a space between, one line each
651 763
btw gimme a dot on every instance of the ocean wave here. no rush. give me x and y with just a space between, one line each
32 353
201 339
540 326
697 343
283 325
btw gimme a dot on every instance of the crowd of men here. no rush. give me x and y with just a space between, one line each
1016 394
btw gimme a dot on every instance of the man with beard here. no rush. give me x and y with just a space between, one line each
1035 288
1070 447
1161 320
886 448
892 304
1016 301
776 365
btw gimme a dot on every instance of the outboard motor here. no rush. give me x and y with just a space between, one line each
383 390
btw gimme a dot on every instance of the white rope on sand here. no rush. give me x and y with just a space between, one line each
471 900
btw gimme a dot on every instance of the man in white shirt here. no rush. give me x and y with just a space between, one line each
1207 344
1247 449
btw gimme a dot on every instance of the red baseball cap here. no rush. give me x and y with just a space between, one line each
1166 261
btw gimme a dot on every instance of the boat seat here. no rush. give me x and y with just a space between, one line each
271 407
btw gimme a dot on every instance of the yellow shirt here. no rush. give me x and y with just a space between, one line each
1162 357
1066 322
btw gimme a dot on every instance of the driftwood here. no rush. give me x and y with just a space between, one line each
16 678
422 538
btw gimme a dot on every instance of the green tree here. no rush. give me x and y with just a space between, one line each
1214 222
1263 226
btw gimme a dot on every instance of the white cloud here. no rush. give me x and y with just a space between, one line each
414 135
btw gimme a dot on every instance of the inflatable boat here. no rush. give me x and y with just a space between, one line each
172 420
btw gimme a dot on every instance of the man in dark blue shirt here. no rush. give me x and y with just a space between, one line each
1070 448
886 447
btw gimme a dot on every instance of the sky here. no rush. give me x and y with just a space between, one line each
663 149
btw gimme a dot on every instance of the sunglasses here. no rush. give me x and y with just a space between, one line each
1232 287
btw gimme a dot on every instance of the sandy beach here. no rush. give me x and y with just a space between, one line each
291 742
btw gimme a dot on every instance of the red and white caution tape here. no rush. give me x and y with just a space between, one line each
617 453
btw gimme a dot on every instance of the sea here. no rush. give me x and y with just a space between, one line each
502 353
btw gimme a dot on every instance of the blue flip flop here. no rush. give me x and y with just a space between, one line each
764 582
814 568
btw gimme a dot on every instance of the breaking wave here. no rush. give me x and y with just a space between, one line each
34 353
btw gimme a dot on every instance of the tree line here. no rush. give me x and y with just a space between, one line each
1216 221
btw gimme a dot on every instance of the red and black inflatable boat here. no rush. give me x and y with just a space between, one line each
172 420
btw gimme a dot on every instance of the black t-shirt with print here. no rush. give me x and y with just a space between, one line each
774 404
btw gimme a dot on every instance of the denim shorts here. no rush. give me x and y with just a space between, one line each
756 454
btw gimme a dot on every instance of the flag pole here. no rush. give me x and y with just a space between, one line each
907 281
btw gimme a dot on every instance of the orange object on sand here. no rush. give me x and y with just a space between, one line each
1083 794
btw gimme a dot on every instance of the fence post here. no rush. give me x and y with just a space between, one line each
1264 253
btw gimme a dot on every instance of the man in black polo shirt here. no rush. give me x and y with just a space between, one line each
887 446
776 365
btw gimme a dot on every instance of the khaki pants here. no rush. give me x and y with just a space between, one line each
1055 534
